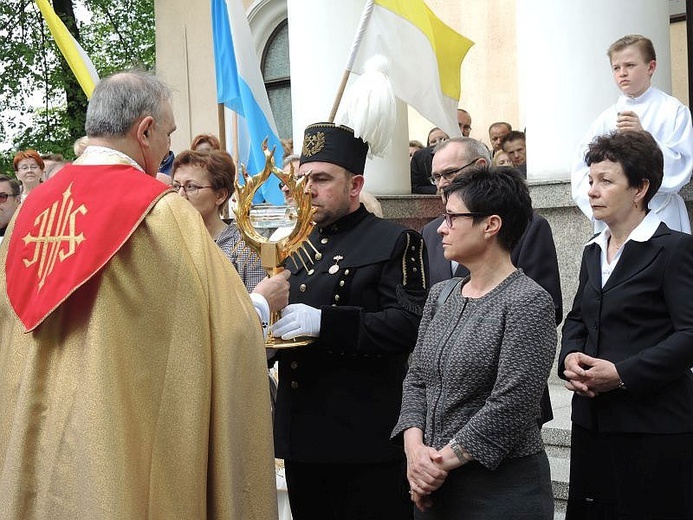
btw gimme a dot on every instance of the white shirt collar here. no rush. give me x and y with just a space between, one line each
625 100
642 232
94 155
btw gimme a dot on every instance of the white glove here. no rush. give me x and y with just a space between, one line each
298 319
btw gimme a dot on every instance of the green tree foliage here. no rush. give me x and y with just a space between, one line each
41 104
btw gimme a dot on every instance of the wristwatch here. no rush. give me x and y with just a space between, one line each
457 450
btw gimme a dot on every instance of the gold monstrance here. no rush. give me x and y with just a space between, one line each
273 254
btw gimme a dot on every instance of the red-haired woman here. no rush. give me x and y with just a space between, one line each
28 168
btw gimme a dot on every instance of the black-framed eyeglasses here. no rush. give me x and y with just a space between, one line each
449 175
4 196
189 189
450 217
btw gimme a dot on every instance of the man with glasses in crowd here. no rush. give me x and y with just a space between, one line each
420 162
535 252
464 121
10 197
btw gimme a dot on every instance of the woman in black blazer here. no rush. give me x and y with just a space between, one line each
627 346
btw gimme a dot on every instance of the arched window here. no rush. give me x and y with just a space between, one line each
275 71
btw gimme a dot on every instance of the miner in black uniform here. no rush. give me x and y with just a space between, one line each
361 300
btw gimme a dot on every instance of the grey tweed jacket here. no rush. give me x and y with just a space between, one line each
479 368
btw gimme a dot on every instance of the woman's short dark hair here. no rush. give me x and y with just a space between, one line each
217 163
636 152
495 190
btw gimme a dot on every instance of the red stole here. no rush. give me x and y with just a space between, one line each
68 229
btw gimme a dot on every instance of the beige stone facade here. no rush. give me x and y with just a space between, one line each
489 72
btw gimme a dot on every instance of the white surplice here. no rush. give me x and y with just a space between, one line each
669 122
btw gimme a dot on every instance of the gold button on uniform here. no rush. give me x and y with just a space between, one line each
346 272
324 240
294 385
336 297
341 283
302 287
318 256
294 365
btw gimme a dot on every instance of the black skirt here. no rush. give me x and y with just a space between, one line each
630 475
519 489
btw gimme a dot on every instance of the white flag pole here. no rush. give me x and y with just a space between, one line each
363 23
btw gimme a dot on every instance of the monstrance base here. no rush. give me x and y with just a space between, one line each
301 341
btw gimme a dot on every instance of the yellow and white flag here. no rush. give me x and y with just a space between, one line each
424 55
77 59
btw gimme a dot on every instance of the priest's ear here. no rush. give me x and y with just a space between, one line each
144 128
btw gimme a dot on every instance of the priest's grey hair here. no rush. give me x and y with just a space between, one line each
122 99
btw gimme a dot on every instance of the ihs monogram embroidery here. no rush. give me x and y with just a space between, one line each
57 225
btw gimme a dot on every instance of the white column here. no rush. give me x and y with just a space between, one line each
321 34
565 76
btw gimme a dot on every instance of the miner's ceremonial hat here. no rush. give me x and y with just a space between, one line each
336 144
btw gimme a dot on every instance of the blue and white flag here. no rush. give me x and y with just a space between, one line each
240 88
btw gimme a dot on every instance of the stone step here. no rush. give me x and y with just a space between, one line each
559 510
556 436
558 452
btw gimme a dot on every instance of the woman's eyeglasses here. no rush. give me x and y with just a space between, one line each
189 189
450 217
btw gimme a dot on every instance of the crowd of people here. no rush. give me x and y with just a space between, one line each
133 316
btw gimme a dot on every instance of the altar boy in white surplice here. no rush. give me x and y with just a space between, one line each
643 107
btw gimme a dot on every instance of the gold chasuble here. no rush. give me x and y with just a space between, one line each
133 379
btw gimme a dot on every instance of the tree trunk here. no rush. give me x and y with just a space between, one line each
76 99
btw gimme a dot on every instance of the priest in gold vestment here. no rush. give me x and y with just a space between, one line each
133 378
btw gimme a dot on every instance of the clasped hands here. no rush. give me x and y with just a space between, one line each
425 474
589 376
628 121
427 468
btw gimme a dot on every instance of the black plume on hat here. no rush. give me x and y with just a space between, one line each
336 144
